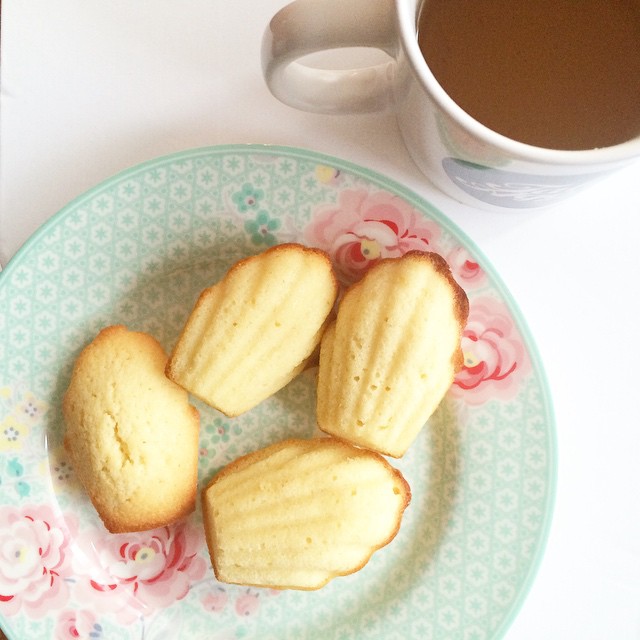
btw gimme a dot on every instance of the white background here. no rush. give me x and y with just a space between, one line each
91 87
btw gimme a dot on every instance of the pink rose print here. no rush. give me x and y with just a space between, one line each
465 269
247 603
135 574
73 625
364 227
215 601
495 359
34 560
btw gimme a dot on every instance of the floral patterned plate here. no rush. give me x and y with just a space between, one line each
137 250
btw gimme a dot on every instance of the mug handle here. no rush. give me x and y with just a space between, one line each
310 26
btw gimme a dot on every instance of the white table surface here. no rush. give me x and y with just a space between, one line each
90 88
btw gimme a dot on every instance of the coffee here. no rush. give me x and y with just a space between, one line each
560 74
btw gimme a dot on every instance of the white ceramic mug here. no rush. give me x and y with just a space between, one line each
462 157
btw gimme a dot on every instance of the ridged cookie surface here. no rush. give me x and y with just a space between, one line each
301 512
253 332
131 433
391 353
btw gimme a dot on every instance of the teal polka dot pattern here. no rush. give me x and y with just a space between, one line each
137 250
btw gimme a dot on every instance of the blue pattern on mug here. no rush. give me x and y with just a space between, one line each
508 188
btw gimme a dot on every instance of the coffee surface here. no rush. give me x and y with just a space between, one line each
560 74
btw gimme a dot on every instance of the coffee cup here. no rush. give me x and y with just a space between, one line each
477 157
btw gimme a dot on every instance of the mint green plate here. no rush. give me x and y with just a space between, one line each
137 250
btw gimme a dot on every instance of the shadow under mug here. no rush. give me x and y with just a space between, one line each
462 157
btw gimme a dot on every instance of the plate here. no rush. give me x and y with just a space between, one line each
137 250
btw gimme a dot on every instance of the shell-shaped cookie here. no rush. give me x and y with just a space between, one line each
131 434
253 332
391 353
301 512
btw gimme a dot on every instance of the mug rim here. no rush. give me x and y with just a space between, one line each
407 28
